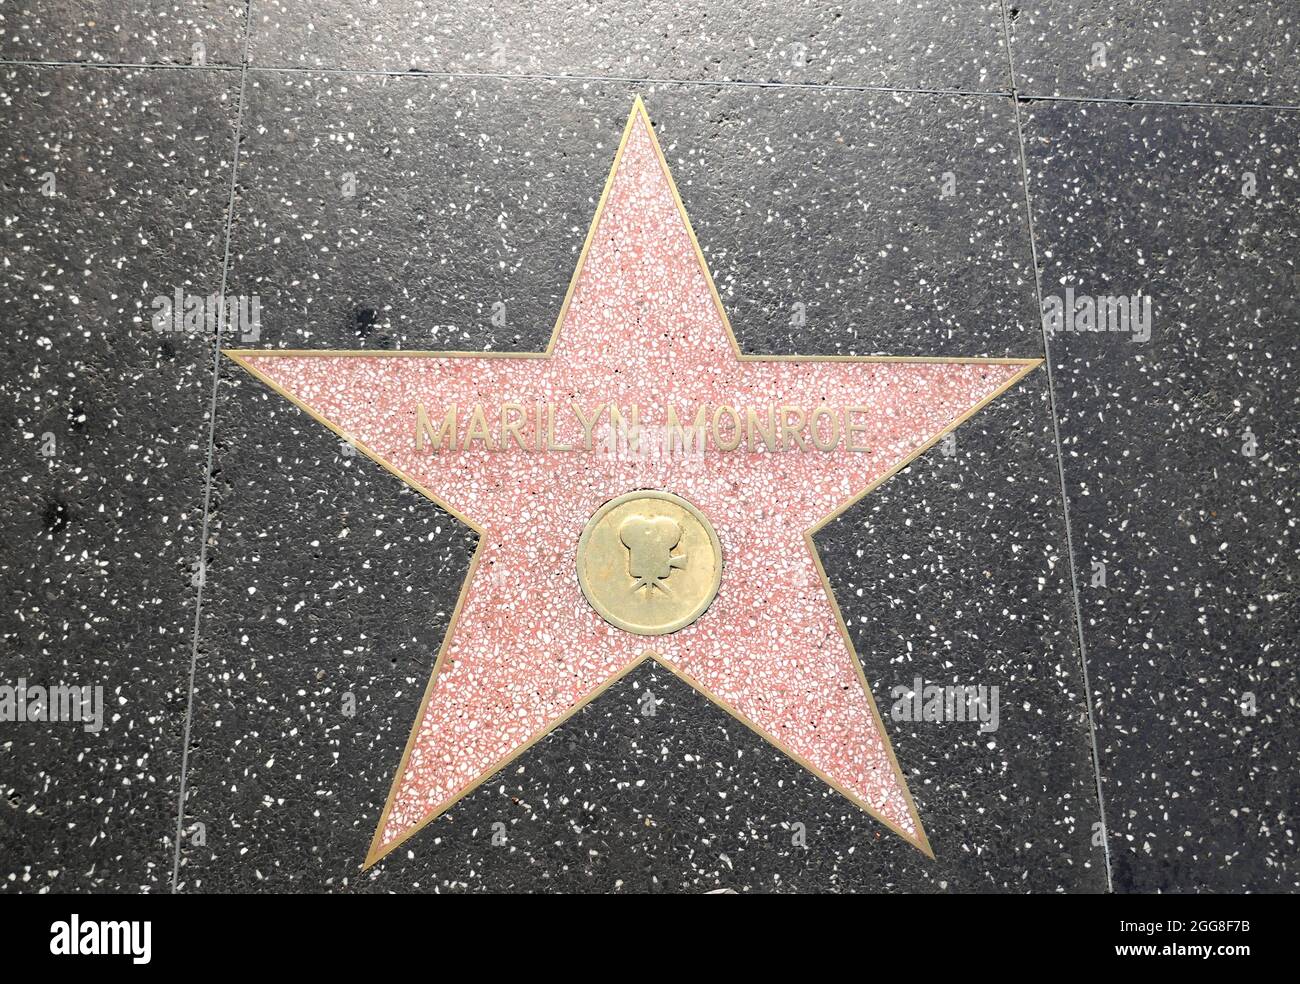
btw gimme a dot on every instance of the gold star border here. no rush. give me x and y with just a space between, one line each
376 852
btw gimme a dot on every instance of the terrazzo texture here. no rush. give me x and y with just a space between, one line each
101 537
286 783
792 275
1179 50
642 328
1197 536
330 583
907 43
123 31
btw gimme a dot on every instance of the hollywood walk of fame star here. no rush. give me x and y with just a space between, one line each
641 325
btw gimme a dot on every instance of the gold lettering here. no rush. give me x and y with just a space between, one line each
831 441
852 429
676 431
551 444
587 423
793 430
424 432
736 432
723 428
622 431
513 428
768 434
478 430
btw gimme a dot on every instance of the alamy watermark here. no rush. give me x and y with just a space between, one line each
77 937
649 444
59 704
1122 314
237 315
935 703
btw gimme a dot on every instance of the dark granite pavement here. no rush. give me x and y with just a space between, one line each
1112 544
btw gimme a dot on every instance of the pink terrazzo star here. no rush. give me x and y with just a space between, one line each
642 325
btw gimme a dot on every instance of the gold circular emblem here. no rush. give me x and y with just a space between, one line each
649 562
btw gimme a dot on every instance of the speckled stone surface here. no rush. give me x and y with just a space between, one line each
641 328
947 44
284 781
123 31
100 537
825 208
1190 640
840 211
1058 768
1180 50
615 799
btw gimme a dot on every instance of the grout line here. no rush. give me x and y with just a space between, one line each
56 63
1060 459
630 80
1188 104
512 76
212 435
